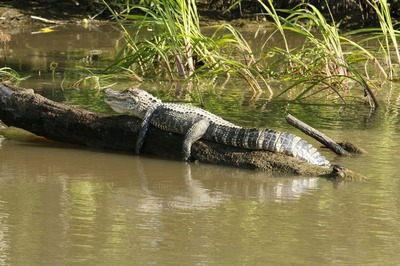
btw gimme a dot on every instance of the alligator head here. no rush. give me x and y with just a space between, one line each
132 101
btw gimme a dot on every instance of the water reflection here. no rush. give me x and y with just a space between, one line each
73 202
68 50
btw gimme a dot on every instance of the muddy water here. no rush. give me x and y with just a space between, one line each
62 204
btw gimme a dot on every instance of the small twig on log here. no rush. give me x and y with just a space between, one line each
312 132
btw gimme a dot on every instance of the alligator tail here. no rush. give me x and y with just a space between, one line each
293 145
266 139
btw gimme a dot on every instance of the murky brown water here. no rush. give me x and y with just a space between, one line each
62 204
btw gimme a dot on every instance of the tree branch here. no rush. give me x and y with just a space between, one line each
321 137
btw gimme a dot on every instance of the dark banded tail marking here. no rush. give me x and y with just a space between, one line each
271 138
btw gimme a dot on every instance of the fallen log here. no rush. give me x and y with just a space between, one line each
24 109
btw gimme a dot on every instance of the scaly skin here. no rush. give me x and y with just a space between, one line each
196 123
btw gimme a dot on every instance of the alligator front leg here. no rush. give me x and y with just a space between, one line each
193 134
143 129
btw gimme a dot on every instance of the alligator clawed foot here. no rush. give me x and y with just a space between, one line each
189 159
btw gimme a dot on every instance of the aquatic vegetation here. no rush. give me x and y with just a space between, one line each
327 61
96 81
7 73
386 35
168 43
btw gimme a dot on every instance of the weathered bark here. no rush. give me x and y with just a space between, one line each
24 109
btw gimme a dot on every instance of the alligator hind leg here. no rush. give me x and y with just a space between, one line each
193 134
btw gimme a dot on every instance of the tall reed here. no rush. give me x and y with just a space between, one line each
389 34
321 64
327 62
177 49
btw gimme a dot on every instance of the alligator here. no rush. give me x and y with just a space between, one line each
195 123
